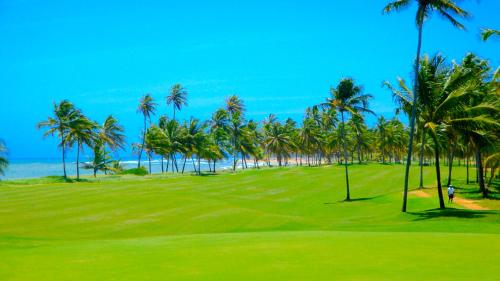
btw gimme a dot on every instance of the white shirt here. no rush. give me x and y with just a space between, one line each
451 190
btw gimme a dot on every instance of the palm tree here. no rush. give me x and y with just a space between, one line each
3 159
459 101
177 97
277 141
234 105
358 127
446 8
146 107
235 108
101 160
82 132
347 98
65 115
112 133
381 132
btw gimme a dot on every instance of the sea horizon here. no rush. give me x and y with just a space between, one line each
37 167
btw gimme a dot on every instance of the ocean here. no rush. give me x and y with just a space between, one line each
42 167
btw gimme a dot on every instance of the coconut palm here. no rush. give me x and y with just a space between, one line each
81 132
112 134
235 108
358 128
3 159
177 98
234 105
458 101
147 107
101 161
348 99
277 141
446 8
65 115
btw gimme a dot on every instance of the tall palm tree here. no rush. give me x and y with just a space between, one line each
81 132
347 98
3 159
147 107
446 8
235 108
65 115
177 97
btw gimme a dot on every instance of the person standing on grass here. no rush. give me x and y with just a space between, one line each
451 193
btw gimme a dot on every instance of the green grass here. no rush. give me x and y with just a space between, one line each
269 224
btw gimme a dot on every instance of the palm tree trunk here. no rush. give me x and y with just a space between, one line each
359 153
78 161
174 159
467 166
450 164
421 161
64 159
184 164
438 173
214 165
412 121
149 162
194 165
348 196
162 170
199 165
143 141
482 187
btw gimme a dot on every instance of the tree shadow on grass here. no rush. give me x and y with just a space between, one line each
206 174
352 200
449 213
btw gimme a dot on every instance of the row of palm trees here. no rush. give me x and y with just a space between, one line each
74 129
335 130
450 11
457 112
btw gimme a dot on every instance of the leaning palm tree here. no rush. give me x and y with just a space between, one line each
81 132
177 97
112 133
347 98
65 115
446 8
3 159
146 107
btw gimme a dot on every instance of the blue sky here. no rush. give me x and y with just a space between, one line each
278 56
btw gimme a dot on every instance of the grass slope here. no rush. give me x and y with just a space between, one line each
269 224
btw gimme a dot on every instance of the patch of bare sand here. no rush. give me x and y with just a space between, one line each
466 203
469 204
420 193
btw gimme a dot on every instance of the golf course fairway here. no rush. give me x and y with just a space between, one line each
269 224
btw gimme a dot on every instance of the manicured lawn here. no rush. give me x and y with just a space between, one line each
269 224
